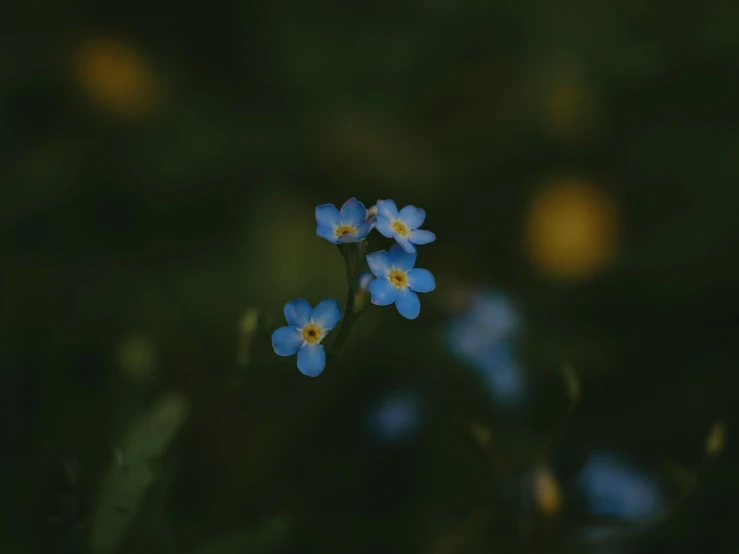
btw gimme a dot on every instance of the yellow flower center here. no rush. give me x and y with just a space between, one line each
311 333
398 278
344 230
400 228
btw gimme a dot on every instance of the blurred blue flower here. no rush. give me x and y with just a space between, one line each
305 330
398 281
613 487
502 375
396 416
481 338
403 225
352 224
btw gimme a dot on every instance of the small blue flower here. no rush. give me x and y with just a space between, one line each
397 281
351 224
403 225
305 330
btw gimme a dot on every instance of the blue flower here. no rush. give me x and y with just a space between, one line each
351 224
481 337
613 487
305 330
397 281
396 416
403 225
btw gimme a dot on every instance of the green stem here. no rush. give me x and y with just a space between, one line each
352 280
338 343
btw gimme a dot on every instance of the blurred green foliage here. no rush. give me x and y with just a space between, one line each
159 169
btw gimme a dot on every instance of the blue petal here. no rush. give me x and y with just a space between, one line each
365 279
286 341
326 233
353 212
387 208
400 258
385 227
413 217
311 360
327 314
383 292
379 263
405 244
421 280
298 312
612 486
349 237
419 236
363 230
408 303
327 215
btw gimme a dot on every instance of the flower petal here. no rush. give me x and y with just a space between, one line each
419 236
379 263
400 258
408 303
385 227
327 314
413 217
365 279
349 237
326 233
364 229
387 208
405 244
286 341
298 312
353 212
421 280
311 360
383 292
327 215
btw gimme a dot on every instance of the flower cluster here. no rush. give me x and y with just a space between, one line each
394 279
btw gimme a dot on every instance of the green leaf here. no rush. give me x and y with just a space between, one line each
134 470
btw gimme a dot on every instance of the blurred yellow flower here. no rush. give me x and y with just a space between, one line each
570 229
547 492
116 77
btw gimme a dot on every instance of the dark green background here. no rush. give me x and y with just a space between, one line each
171 226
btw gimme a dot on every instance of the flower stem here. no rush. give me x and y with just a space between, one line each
351 277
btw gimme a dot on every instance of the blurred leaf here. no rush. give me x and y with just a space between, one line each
134 471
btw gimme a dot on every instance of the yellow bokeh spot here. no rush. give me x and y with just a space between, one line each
571 229
116 77
400 228
547 492
311 333
398 278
